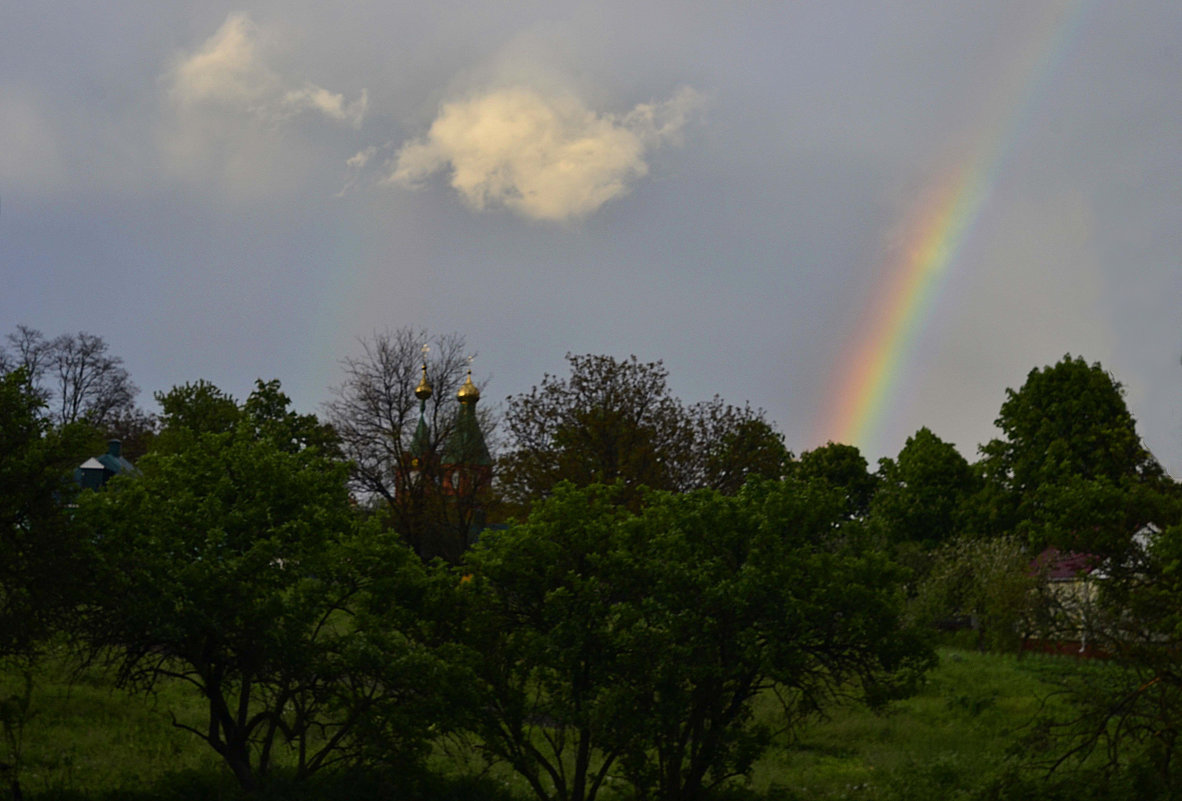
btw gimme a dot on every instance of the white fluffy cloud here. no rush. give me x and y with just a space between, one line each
230 71
545 156
227 70
331 104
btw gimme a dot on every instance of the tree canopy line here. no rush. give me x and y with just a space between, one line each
652 567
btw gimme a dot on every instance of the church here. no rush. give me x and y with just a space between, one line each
445 478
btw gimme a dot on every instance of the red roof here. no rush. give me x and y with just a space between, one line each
1059 565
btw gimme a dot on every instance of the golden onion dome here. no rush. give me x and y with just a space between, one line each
423 390
468 393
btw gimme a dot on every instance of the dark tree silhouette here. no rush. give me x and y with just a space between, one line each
616 420
376 414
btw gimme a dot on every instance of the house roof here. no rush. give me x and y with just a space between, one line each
1059 565
94 472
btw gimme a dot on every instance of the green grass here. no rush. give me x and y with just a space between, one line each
87 740
85 737
956 734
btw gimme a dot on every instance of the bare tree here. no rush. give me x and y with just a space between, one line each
75 374
376 414
88 382
29 349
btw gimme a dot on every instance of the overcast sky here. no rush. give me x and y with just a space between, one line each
232 191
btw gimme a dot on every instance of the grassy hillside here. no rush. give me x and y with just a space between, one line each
956 738
952 739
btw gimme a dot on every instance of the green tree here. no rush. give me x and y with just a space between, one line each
1128 716
845 469
739 445
196 408
745 596
267 413
545 604
1070 469
921 493
635 643
988 580
43 572
1068 419
234 562
615 420
41 566
192 409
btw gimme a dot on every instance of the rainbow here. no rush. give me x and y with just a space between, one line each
885 346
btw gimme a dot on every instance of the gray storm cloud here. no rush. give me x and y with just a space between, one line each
545 156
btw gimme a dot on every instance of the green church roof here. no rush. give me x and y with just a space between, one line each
466 444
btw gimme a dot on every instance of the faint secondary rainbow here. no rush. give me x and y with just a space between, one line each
867 387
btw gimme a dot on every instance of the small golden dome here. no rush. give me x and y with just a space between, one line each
423 390
468 393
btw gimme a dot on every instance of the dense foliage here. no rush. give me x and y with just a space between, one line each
234 561
681 596
1130 714
921 494
637 642
1070 469
844 469
985 580
40 548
